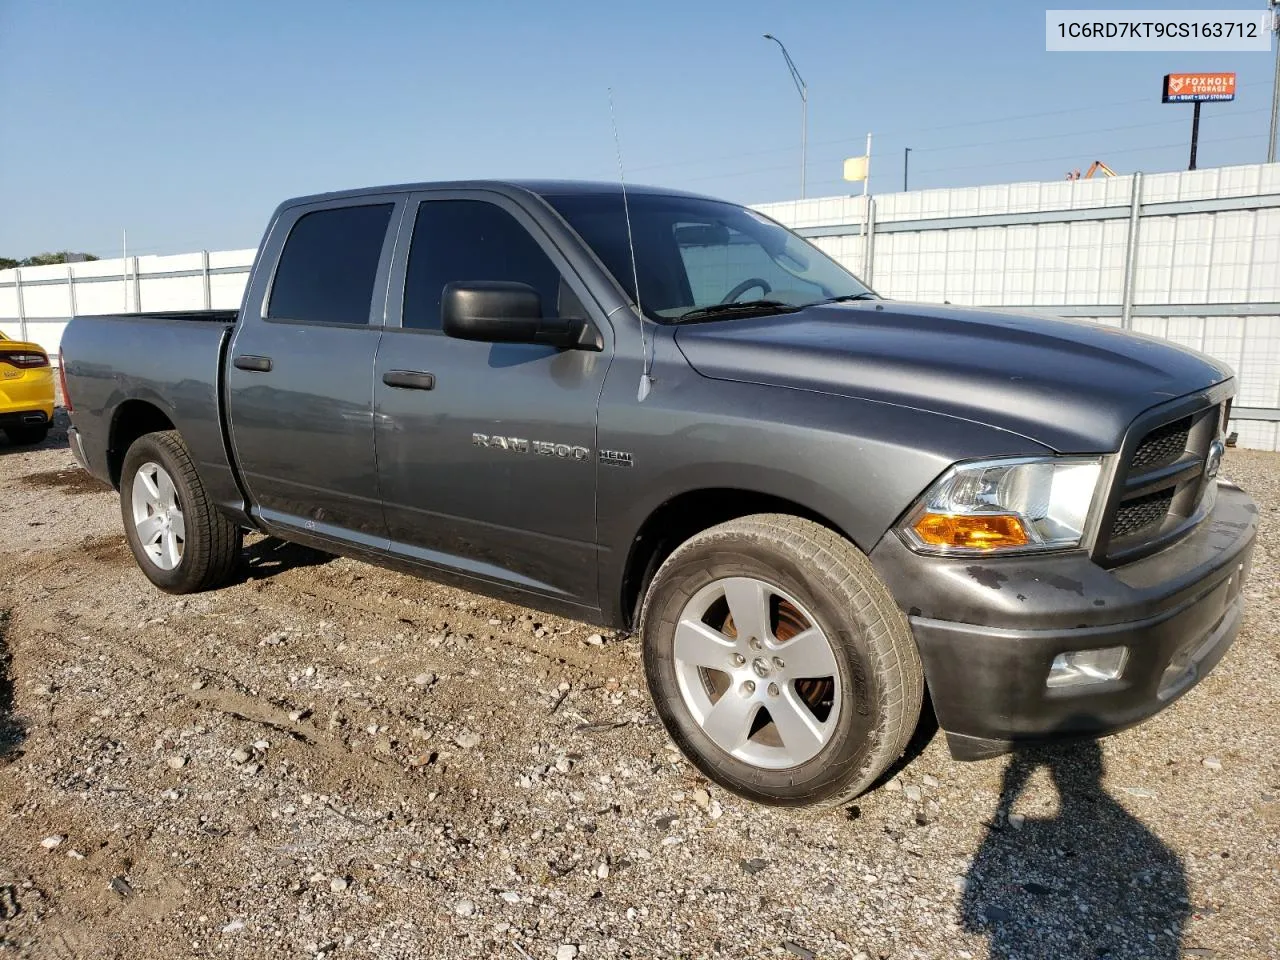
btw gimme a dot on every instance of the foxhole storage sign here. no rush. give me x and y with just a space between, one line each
1198 87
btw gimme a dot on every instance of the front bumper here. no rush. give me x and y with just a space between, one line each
988 630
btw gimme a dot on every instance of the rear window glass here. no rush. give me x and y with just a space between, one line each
328 266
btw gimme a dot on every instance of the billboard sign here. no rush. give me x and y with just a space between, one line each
1198 87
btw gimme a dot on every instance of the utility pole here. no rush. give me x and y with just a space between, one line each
1275 83
906 158
803 90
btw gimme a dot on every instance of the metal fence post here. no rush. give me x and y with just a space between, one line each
71 290
137 287
1131 253
869 241
22 311
208 289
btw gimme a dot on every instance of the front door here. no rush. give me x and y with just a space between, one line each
486 452
300 377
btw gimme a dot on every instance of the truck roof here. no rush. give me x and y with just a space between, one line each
545 188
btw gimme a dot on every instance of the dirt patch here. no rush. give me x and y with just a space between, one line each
326 758
72 480
10 729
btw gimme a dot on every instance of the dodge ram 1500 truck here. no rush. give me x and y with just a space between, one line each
668 413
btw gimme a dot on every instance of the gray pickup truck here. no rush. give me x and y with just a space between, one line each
668 413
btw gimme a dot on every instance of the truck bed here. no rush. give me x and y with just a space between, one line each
170 360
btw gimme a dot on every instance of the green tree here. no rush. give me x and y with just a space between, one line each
60 256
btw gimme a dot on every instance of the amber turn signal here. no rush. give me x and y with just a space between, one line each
980 531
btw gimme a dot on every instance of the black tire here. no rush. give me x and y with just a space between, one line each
27 436
211 550
878 663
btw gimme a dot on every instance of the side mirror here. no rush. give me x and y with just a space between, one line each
499 311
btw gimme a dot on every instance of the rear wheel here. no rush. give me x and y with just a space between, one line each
779 662
179 539
27 436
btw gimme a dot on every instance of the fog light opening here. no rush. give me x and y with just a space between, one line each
1078 668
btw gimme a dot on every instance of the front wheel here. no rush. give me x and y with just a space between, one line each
179 539
779 662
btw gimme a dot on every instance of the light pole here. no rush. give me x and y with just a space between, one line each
1274 6
906 158
804 107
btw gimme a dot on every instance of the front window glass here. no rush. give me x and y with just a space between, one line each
466 240
693 253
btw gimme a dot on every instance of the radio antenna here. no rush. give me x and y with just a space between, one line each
646 381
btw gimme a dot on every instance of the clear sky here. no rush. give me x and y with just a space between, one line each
186 123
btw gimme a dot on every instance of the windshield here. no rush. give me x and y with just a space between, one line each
693 253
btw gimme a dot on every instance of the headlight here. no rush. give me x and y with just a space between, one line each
1005 505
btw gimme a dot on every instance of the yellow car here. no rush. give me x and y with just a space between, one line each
26 391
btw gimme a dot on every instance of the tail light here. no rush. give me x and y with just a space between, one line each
25 359
62 381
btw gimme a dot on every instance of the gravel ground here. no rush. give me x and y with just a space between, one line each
331 760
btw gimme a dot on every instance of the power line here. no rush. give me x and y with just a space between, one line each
1179 121
999 163
918 132
1014 163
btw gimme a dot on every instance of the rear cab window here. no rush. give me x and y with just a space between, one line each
329 264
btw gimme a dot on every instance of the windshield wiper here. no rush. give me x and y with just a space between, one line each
866 295
759 308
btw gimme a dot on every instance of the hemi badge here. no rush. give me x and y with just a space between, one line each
615 458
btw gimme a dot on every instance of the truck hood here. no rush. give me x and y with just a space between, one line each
1072 386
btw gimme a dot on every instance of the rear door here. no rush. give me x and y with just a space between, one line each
486 452
300 378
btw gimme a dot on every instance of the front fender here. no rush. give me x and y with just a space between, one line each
856 463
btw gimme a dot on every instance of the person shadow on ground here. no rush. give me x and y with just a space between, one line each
1087 882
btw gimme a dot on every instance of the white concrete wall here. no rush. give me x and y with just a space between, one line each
154 283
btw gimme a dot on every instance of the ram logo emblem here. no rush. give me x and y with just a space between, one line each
543 448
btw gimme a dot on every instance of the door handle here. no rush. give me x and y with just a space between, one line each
257 364
409 379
